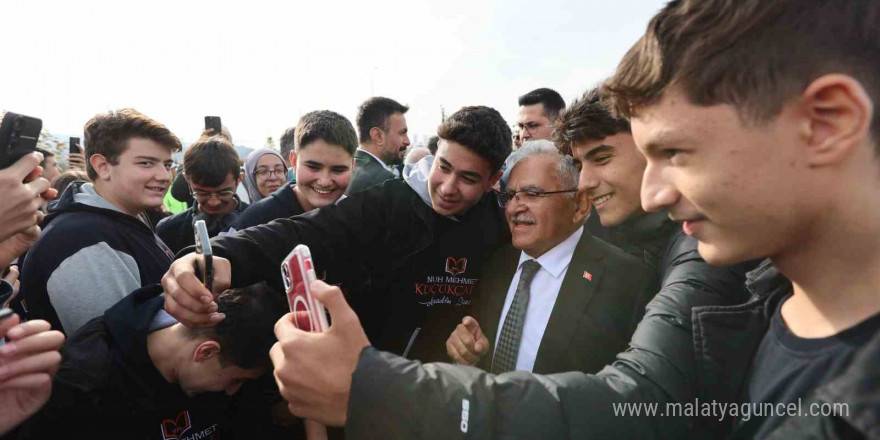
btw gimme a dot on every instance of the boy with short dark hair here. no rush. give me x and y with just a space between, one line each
96 245
212 173
322 158
137 373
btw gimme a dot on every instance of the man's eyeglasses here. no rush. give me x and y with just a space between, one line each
530 127
264 173
206 195
529 195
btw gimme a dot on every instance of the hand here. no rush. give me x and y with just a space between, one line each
187 299
16 245
23 194
76 161
313 370
467 344
27 364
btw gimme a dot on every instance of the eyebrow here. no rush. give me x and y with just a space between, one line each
599 149
154 159
530 188
472 174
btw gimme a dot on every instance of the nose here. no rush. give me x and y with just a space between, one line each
447 187
324 178
514 207
406 140
657 192
214 201
587 179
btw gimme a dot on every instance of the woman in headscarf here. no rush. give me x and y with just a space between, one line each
264 172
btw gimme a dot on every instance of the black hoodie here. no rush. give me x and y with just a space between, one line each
107 386
89 256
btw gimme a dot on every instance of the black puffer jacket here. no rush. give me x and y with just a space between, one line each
395 398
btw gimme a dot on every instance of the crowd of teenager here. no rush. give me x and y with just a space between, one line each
700 232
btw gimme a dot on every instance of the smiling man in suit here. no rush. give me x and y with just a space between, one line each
557 298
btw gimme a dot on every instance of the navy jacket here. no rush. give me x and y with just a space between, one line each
88 257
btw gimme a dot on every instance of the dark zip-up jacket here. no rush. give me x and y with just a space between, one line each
89 256
395 398
396 259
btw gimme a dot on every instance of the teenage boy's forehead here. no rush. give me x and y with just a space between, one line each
461 159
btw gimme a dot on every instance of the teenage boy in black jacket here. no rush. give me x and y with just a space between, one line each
212 172
96 245
402 249
752 164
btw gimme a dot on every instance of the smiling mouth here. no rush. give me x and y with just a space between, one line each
321 191
156 188
602 199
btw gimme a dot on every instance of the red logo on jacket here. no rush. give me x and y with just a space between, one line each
456 267
173 429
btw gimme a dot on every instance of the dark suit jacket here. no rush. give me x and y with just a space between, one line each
592 320
367 172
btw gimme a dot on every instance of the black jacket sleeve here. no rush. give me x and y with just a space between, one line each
342 238
395 398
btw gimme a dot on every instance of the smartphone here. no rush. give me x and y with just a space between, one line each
75 146
203 248
18 137
298 272
212 124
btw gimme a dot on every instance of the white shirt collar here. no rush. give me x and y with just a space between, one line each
556 260
374 157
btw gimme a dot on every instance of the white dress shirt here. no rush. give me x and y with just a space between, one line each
542 297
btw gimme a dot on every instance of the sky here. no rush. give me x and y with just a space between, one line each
261 64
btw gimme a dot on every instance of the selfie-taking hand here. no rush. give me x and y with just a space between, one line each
77 161
22 201
467 344
313 370
187 299
27 363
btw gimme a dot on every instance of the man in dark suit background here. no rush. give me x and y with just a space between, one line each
383 140
557 298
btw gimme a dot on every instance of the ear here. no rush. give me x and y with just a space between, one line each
582 207
241 177
493 180
840 114
206 350
377 136
101 165
353 163
292 159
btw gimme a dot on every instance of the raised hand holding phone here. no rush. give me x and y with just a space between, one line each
203 248
298 272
